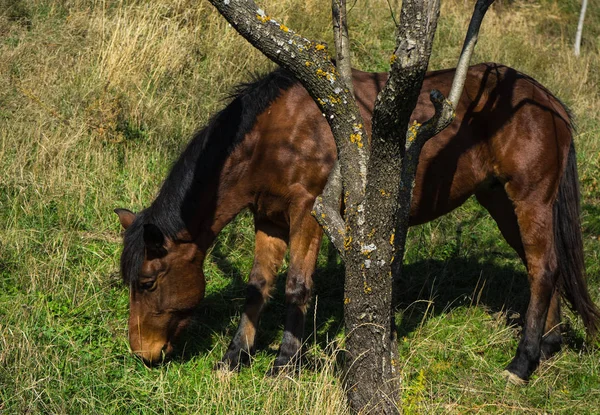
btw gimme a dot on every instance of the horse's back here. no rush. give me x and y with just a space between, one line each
508 128
506 125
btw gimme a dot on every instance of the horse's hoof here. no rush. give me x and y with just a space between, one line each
280 370
513 379
226 366
290 368
221 366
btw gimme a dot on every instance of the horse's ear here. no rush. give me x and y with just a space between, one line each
154 240
126 217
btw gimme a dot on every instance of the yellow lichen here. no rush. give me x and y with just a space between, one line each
372 233
413 130
284 28
356 138
366 288
324 74
263 18
334 100
393 58
320 46
392 239
347 300
347 243
307 63
384 193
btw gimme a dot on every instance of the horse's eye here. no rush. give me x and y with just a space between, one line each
147 285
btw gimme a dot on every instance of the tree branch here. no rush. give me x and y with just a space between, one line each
326 210
393 110
342 42
327 206
467 51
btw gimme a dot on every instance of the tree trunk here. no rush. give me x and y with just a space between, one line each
580 27
376 175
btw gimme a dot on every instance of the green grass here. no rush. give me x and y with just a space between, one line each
97 99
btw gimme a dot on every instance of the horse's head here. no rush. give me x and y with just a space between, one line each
166 284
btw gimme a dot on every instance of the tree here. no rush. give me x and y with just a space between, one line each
580 27
374 175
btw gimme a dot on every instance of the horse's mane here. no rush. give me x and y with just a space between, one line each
205 153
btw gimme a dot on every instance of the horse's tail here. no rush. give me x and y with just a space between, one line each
569 247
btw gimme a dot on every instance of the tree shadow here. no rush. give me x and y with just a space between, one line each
430 287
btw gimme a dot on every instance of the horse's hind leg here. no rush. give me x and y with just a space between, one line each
269 250
536 226
496 201
305 239
502 210
552 340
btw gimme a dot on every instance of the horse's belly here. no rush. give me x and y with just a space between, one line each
447 175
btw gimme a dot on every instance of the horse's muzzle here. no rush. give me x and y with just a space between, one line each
154 354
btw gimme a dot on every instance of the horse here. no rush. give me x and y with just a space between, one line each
270 150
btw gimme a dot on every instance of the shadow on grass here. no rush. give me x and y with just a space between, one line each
430 287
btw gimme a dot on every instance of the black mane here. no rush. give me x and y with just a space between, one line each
205 153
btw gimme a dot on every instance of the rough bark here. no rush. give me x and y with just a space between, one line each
371 337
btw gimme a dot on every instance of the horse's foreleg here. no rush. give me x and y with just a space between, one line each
535 223
305 239
270 247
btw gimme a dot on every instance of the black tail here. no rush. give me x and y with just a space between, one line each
569 247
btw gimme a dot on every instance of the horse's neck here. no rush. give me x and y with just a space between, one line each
219 202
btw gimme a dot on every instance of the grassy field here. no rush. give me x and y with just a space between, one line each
96 100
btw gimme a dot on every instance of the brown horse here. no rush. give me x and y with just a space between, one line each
271 151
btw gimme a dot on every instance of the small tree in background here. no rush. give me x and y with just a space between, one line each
580 27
